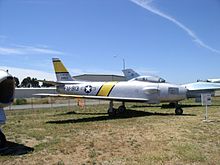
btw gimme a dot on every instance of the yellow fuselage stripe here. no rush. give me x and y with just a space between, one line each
59 67
106 88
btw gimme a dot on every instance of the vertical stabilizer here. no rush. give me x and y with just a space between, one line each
130 74
61 72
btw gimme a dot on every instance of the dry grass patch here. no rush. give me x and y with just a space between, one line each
146 135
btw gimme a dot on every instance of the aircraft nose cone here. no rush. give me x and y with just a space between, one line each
7 88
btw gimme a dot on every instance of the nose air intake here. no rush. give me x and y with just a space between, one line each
7 88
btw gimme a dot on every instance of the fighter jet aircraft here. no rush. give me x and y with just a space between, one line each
135 90
7 88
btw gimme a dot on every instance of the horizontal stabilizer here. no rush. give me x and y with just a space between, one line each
50 82
58 82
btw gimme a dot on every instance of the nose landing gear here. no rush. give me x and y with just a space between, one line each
178 109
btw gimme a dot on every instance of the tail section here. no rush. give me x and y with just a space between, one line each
130 74
61 72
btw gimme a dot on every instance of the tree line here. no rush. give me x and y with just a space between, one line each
29 82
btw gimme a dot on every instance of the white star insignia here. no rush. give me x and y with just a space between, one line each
88 88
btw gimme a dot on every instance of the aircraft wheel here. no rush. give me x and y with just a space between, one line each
2 140
111 112
121 109
179 111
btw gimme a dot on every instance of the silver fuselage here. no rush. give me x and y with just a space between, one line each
153 92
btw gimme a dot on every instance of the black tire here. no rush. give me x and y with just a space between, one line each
2 140
178 111
121 109
112 113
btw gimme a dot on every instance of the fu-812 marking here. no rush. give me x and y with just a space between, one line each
71 88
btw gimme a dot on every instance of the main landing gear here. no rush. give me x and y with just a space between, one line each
113 112
121 109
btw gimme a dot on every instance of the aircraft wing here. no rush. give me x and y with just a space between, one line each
93 97
202 86
49 82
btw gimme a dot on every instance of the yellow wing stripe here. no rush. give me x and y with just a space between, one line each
106 88
59 67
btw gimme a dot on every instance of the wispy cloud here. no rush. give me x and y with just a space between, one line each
28 50
146 4
22 73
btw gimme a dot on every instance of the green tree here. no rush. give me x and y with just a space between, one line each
16 81
34 82
26 82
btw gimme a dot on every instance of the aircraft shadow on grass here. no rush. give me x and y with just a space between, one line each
127 114
15 149
75 113
166 106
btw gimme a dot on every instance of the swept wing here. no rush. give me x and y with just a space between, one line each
196 89
198 86
127 99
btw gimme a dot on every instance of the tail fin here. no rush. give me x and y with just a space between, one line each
61 72
130 74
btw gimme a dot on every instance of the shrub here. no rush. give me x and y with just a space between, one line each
20 101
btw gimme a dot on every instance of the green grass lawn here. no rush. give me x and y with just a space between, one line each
144 135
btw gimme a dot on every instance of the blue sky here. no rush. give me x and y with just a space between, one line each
177 40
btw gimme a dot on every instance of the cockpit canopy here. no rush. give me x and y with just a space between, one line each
154 79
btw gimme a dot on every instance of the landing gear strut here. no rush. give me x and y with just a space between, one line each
112 112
